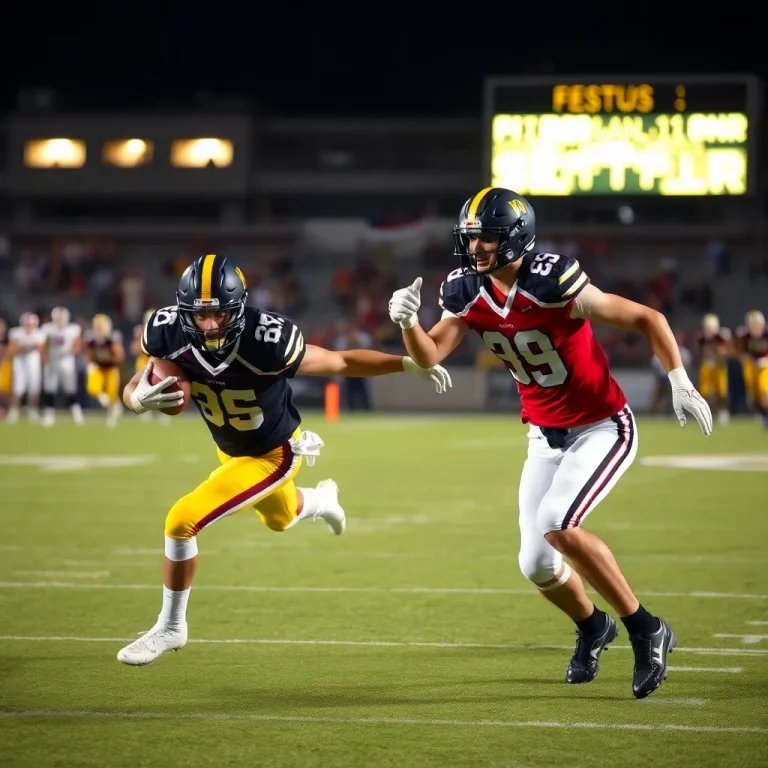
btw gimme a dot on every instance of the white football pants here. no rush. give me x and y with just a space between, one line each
26 374
60 373
559 487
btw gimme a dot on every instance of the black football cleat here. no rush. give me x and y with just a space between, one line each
583 665
651 659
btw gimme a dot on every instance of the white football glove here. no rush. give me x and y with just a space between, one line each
686 398
436 374
152 397
308 444
404 305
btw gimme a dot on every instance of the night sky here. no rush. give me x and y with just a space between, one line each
362 59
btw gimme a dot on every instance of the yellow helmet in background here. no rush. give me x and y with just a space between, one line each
102 325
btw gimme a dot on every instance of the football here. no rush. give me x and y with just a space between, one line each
164 368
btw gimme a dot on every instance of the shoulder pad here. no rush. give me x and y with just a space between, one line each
551 279
274 341
162 335
459 290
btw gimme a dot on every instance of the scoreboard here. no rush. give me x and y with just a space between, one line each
671 136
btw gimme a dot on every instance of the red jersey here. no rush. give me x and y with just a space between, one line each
101 349
562 372
713 346
754 346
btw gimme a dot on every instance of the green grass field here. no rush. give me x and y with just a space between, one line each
413 640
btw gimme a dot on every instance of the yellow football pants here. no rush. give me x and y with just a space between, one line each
761 385
5 378
749 372
264 483
713 380
104 380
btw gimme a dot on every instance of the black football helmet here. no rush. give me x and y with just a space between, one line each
212 283
495 213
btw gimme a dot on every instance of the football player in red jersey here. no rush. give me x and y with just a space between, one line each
714 349
534 311
752 344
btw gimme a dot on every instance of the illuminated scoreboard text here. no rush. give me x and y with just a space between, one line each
602 139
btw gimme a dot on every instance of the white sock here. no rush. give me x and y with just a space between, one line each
174 612
311 504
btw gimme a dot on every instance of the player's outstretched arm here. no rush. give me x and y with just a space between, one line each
609 309
426 349
365 363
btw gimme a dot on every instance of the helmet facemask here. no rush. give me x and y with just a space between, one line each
509 249
217 341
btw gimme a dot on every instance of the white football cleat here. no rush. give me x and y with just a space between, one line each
48 419
152 645
330 510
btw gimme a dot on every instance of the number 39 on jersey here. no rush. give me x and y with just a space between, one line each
530 356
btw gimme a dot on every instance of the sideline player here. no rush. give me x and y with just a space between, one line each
714 348
533 311
5 368
238 361
24 343
63 342
104 354
752 344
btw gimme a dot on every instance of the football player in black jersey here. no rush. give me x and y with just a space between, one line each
238 361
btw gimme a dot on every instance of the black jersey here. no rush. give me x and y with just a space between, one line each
244 397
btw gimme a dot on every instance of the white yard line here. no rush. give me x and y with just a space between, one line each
391 721
65 574
376 590
389 644
726 670
746 639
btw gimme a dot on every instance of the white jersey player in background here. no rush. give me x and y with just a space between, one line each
62 344
24 343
